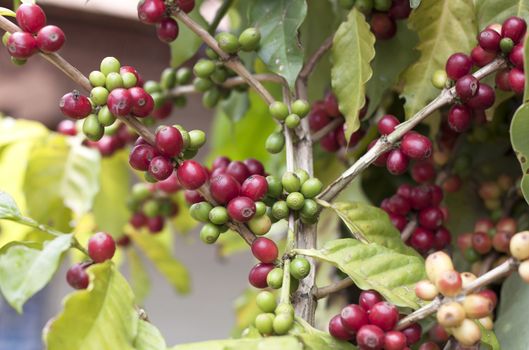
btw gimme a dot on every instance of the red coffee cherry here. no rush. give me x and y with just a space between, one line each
483 225
491 295
141 156
394 340
442 238
412 333
21 45
353 318
50 39
400 9
501 241
384 315
160 168
155 224
370 337
489 40
423 171
338 330
164 111
258 274
421 197
481 57
142 102
422 240
151 11
238 170
193 197
77 277
399 221
514 28
449 283
429 346
484 98
254 187
224 188
254 166
138 220
467 87
516 56
170 185
387 124
330 105
416 146
221 162
130 69
191 175
318 119
101 247
31 18
67 127
120 102
75 105
481 242
368 299
167 30
459 118
430 218
265 250
405 190
458 65
186 5
383 26
502 80
507 224
397 162
241 209
517 80
169 141
438 333
398 205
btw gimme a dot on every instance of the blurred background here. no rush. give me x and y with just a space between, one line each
95 29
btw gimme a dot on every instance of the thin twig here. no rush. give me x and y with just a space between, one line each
408 230
318 135
323 292
219 15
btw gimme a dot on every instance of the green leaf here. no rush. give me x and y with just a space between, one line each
183 222
246 310
25 268
7 12
372 266
139 277
15 130
385 76
488 338
230 243
279 343
352 51
415 3
511 325
526 66
80 182
370 224
188 42
494 11
279 22
444 28
8 207
315 339
149 337
173 270
100 317
236 106
520 144
110 207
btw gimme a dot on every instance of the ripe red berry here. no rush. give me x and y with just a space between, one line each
50 39
67 127
422 240
258 274
483 225
484 98
502 80
331 105
501 241
399 221
164 111
423 171
170 185
120 102
442 238
383 26
481 242
254 166
241 209
467 87
151 11
160 168
449 283
458 65
514 28
430 218
265 250
387 124
416 146
337 329
238 170
384 315
412 333
353 318
31 18
167 30
516 56
370 337
404 190
254 187
400 9
141 156
394 340
21 45
155 224
75 105
186 5
368 298
438 333
421 197
398 205
193 197
489 40
429 346
318 119
221 162
517 80
138 220
459 118
77 277
191 175
397 162
481 57
101 247
224 188
169 141
142 102
491 295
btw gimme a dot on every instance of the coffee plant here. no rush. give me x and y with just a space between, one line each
426 249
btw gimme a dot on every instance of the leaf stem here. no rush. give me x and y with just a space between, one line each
219 15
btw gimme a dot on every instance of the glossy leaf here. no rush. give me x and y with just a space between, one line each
520 144
7 12
100 317
15 130
488 338
370 224
236 106
172 269
493 11
25 268
279 22
314 339
372 266
139 276
511 324
149 337
352 51
282 343
187 43
444 28
8 207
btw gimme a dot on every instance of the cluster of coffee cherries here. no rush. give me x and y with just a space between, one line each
35 35
275 319
155 12
371 324
423 204
457 315
383 13
291 118
324 112
152 204
493 192
101 247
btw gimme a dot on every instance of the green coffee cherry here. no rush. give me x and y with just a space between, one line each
111 129
197 139
189 153
275 188
302 174
92 128
114 81
99 96
180 101
152 86
151 208
200 211
309 220
211 54
97 78
149 178
280 210
291 182
110 65
168 78
439 79
158 98
166 208
260 225
295 200
471 255
382 5
202 85
266 301
185 135
211 98
260 209
204 68
278 110
5 38
275 142
129 80
228 42
209 233
219 215
310 208
18 61
148 121
184 76
506 45
292 121
346 4
364 6
105 117
274 279
282 323
284 308
311 188
219 76
249 39
301 108
264 323
294 285
140 192
299 268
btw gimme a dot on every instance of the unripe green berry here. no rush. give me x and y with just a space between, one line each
148 121
294 284
111 129
200 211
264 323
249 39
266 301
105 117
439 79
92 128
299 268
18 61
364 6
280 210
307 220
189 153
152 86
151 208
295 200
260 209
302 175
283 323
275 142
220 75
204 68
219 215
292 121
129 80
209 233
274 279
197 139
183 75
180 101
99 96
168 78
5 38
260 225
278 110
471 255
382 5
211 54
228 42
97 78
301 108
185 135
166 208
275 188
291 182
310 208
506 45
158 98
211 98
114 81
284 308
140 192
110 65
149 178
311 188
